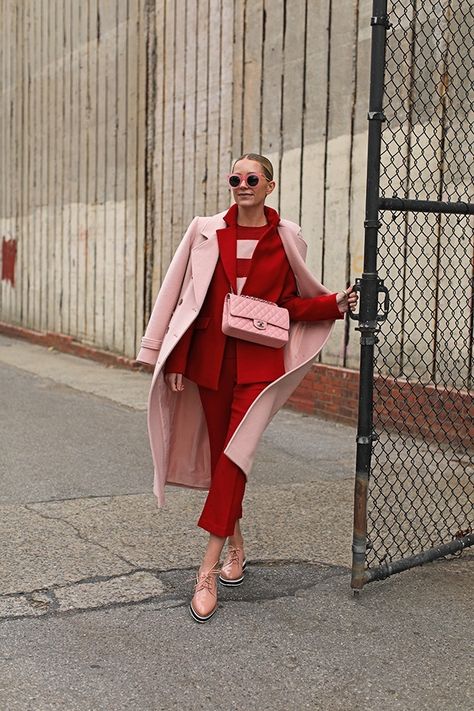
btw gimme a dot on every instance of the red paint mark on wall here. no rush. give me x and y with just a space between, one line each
8 260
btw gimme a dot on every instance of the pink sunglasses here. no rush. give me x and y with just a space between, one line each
235 180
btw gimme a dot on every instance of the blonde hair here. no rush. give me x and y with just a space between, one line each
264 162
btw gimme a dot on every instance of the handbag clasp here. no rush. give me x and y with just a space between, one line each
261 325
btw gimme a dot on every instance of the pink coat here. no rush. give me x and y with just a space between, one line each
176 424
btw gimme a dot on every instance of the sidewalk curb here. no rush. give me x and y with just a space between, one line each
67 344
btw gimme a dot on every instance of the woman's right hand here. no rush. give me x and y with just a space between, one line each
174 381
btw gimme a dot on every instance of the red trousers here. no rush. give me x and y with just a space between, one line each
224 409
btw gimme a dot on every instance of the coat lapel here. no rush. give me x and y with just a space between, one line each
204 256
296 248
227 239
203 262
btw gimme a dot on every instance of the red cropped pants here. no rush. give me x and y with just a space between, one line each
224 409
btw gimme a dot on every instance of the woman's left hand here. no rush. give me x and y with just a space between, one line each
347 299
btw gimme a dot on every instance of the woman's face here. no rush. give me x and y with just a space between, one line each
245 195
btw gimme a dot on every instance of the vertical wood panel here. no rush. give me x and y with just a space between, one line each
341 89
200 187
28 284
21 287
34 267
120 171
158 266
50 204
359 167
72 237
173 152
43 212
239 87
11 107
29 265
90 172
5 310
5 97
314 149
190 90
137 200
4 131
176 185
293 87
272 91
57 44
168 125
101 173
225 121
135 47
66 182
214 102
252 81
109 38
15 162
82 167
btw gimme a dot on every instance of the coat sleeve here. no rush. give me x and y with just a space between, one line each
166 300
315 308
178 358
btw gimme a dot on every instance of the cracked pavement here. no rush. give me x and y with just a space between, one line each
95 579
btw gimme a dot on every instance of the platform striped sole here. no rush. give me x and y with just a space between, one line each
237 581
200 618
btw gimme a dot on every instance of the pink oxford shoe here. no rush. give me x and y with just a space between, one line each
233 570
204 602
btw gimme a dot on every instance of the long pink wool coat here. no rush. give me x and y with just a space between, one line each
176 425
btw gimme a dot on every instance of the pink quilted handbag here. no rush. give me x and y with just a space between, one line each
255 320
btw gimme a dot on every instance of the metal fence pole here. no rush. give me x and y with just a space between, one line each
369 288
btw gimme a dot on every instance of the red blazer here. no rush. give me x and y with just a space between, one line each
270 278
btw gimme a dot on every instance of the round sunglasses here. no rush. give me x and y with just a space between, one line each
235 180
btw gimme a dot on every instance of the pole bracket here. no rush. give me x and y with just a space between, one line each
376 116
381 20
367 439
370 340
372 224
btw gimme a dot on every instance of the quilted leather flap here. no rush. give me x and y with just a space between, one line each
260 310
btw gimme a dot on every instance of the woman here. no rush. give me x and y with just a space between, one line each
212 395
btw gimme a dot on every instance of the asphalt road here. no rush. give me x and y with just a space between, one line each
95 580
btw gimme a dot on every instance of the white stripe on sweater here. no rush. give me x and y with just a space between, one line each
245 248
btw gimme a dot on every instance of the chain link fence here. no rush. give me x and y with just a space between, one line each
420 493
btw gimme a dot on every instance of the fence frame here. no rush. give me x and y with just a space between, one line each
369 318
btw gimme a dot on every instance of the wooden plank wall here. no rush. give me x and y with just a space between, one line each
293 84
121 118
280 78
72 103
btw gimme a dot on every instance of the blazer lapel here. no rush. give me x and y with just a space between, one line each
267 245
227 239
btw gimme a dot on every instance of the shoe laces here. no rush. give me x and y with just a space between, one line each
204 581
232 556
